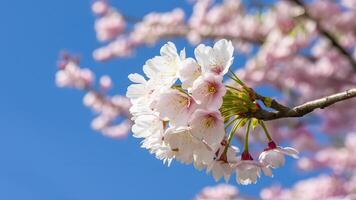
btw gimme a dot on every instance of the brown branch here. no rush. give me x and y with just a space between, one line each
301 110
327 34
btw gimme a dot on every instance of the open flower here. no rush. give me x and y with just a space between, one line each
223 164
146 125
208 126
248 170
141 94
165 67
274 155
175 106
208 91
181 143
142 89
215 60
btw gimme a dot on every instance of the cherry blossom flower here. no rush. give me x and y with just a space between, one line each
165 67
248 170
274 156
176 106
215 60
182 144
208 91
208 126
223 165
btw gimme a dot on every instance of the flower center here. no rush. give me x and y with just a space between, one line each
209 121
211 88
217 69
183 101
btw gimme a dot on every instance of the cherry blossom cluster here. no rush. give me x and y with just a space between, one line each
188 121
109 23
108 109
228 20
110 27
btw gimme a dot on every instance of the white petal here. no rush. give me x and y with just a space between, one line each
223 51
202 54
146 125
137 78
289 151
135 91
169 50
189 72
272 158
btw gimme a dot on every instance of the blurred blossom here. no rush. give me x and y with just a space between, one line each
109 26
105 83
219 192
73 76
321 187
100 7
108 109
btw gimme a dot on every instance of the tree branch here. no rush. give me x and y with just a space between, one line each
301 110
327 34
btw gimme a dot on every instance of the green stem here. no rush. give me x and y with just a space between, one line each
236 78
233 88
246 137
231 134
230 115
266 131
232 121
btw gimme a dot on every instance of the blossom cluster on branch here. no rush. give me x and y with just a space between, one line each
304 49
189 122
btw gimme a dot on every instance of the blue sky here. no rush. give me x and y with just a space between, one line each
47 149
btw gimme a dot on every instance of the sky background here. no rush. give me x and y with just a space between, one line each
47 149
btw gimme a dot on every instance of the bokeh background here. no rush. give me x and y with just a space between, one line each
47 149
